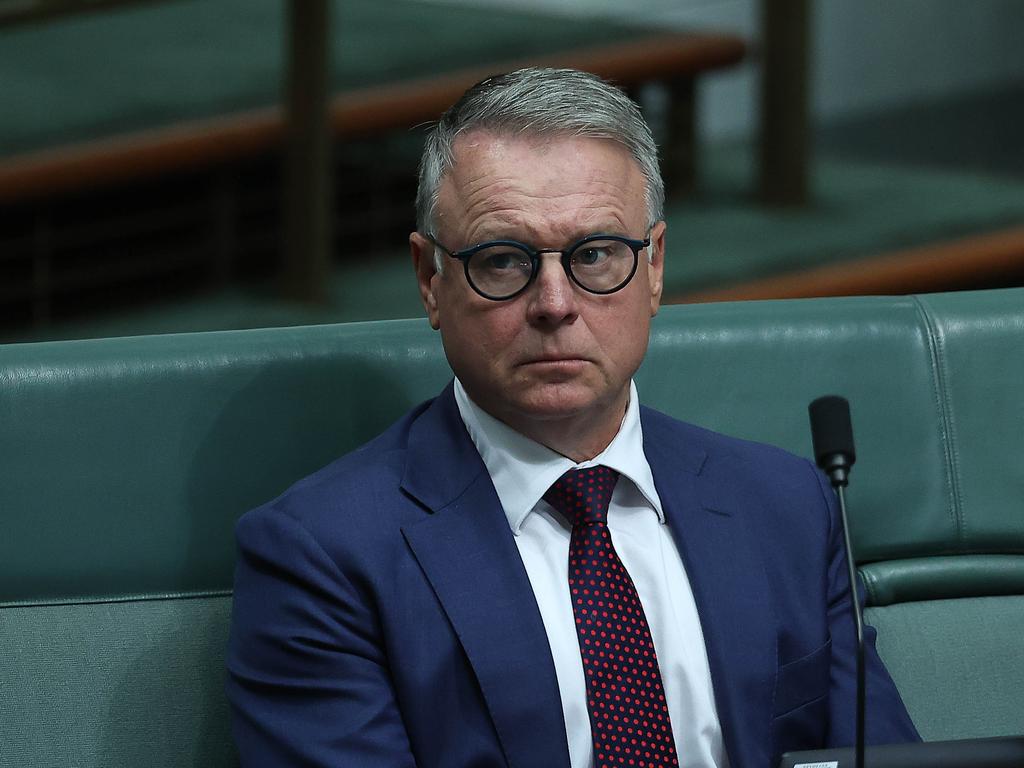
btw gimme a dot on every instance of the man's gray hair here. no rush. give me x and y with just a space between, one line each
540 102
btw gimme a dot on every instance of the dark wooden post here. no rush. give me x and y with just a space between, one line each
785 113
308 152
681 151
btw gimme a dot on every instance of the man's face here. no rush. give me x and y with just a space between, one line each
554 353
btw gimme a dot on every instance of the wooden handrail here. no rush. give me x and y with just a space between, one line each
935 267
644 59
354 113
20 12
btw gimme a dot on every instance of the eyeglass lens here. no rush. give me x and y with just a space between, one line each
600 266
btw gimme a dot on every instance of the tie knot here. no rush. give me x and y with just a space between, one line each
582 495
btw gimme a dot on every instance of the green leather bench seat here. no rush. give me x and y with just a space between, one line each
959 663
116 683
125 463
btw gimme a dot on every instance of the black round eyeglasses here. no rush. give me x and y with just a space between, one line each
502 269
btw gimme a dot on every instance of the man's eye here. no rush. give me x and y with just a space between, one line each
592 256
503 261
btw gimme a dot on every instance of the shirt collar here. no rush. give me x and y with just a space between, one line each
522 470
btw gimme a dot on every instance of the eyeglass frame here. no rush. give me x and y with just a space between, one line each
534 253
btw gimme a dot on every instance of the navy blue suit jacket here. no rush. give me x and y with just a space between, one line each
383 616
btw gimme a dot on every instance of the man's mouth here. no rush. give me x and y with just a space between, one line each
555 360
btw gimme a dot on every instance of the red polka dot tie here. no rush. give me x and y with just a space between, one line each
628 715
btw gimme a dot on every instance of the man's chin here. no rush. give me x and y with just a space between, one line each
553 401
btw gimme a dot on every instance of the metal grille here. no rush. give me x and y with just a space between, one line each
178 234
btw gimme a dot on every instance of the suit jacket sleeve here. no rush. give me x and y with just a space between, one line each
307 675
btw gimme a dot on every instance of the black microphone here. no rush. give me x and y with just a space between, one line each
832 437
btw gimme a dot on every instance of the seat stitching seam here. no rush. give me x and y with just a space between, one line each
936 349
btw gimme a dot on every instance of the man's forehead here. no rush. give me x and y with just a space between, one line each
484 152
497 181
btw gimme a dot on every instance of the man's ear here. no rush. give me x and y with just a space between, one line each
427 277
656 266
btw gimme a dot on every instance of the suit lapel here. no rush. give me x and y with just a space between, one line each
467 552
729 585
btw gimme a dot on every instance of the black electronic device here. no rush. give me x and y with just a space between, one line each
1000 752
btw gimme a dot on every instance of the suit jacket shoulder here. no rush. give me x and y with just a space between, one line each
364 630
738 474
357 504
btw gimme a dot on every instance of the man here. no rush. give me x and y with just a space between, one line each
531 569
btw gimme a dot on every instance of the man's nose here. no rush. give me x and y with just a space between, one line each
553 296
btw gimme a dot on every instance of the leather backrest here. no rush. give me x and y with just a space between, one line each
936 414
126 461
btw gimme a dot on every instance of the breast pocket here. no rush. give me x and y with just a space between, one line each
802 681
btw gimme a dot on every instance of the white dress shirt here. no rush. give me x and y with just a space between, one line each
522 471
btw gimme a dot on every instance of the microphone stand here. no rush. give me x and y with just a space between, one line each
859 624
832 435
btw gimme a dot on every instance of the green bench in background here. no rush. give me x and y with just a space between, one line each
124 464
101 98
